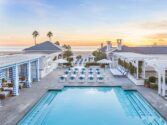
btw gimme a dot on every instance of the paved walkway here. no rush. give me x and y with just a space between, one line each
14 108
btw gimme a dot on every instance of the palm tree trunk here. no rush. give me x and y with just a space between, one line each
35 40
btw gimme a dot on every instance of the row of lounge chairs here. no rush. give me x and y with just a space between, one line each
80 61
82 76
119 71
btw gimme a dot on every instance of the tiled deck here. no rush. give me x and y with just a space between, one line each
14 108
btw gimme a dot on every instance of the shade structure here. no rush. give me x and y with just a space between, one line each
104 61
61 61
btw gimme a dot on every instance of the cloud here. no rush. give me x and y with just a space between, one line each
154 25
38 7
160 36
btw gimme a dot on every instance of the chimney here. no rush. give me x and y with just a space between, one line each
109 45
119 44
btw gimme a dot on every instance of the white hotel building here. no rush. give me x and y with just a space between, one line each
31 65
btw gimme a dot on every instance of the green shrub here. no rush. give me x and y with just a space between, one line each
69 59
3 80
126 65
67 54
99 55
79 57
132 69
152 79
121 62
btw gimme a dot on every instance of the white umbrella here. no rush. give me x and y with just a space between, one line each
104 61
61 61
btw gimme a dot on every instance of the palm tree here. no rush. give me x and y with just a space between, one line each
49 34
57 43
35 34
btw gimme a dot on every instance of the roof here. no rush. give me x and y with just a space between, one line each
137 56
157 64
145 50
103 49
45 47
133 56
17 58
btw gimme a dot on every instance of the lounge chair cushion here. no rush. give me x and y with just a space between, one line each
91 78
100 78
72 77
62 77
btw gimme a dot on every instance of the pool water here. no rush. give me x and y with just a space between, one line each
92 106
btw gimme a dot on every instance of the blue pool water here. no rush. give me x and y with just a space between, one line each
92 106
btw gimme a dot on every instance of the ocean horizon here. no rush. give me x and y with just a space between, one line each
74 48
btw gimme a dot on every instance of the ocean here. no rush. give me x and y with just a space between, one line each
74 48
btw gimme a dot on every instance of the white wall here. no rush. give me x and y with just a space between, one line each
47 64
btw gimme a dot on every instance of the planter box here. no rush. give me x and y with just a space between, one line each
153 86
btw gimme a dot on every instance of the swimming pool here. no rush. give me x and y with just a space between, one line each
92 106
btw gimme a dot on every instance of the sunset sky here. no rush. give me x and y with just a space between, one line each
84 22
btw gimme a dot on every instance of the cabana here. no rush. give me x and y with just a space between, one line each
14 66
160 67
132 63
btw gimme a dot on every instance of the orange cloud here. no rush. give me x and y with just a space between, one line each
154 25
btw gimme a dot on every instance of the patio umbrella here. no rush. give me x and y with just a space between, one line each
61 61
104 61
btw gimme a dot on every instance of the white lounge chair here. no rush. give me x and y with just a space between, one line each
66 72
75 73
72 78
100 79
97 69
98 72
91 72
62 78
82 72
81 79
91 78
83 69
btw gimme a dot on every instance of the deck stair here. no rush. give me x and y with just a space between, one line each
144 110
39 110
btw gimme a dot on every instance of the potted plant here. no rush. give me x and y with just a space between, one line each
4 84
153 86
153 83
3 80
146 83
152 79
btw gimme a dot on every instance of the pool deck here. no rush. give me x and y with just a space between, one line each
14 108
